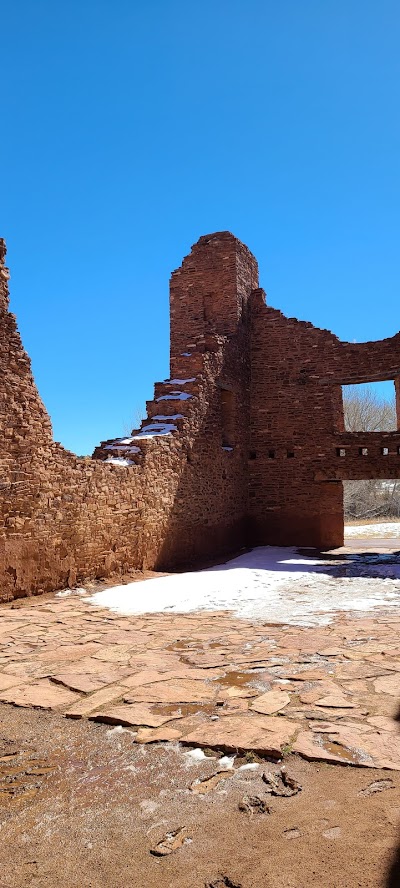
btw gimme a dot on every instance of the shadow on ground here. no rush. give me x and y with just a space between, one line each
393 876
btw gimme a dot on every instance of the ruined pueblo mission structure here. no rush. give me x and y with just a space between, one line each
243 445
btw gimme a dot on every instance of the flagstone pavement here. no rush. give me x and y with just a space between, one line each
208 679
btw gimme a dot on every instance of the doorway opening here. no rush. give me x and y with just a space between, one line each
372 514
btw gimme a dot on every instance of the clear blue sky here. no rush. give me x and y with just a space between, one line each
131 127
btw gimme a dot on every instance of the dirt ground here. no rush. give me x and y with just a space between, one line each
82 806
84 802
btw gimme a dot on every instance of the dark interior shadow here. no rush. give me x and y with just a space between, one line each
363 564
393 875
263 558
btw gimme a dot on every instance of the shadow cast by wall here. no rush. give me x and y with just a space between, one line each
393 874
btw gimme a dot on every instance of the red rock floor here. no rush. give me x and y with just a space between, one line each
207 679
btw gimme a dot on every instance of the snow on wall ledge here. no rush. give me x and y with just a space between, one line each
237 446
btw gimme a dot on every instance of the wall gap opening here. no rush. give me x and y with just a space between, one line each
372 501
370 407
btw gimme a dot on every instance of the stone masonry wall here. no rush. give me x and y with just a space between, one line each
167 494
300 451
244 444
209 513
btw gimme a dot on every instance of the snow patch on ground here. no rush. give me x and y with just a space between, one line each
269 583
383 530
119 730
194 756
65 593
119 461
227 761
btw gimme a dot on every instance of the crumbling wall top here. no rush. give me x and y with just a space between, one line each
4 277
210 290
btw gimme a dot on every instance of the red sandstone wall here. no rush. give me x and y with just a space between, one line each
300 452
210 321
210 292
63 518
256 453
182 497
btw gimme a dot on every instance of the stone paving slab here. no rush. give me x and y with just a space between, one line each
268 736
43 694
133 715
329 693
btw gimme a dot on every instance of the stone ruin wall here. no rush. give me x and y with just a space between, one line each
300 452
243 445
65 518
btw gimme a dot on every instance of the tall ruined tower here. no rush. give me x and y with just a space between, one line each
210 360
4 277
209 293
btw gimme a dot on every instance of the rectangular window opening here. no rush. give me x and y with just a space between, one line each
370 407
271 454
